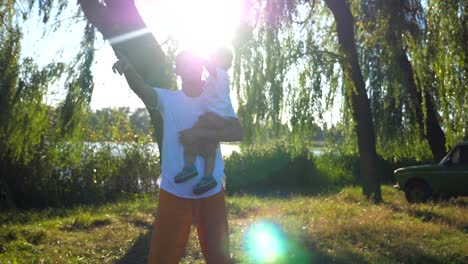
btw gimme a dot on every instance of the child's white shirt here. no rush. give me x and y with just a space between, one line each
216 94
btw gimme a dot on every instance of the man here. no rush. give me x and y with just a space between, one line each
178 206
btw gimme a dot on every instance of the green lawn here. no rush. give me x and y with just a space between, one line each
327 228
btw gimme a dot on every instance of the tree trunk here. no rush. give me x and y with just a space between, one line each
120 23
434 133
430 125
368 160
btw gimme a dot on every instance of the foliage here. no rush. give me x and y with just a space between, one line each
279 167
118 125
286 75
79 86
297 40
441 61
72 173
281 67
43 159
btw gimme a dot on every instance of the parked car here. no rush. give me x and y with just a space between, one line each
448 178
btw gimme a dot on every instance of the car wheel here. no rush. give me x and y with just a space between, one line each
417 192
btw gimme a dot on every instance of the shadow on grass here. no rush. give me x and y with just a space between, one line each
460 201
304 253
138 253
345 252
297 253
426 215
269 191
345 256
32 215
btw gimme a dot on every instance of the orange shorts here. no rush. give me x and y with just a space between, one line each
171 228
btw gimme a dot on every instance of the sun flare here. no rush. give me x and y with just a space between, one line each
198 25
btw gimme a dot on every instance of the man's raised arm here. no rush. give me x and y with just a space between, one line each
147 94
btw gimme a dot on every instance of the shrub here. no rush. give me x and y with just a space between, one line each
274 168
279 168
66 174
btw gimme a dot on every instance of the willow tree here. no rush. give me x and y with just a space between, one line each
404 112
120 22
417 69
280 69
440 62
32 132
357 93
282 52
28 134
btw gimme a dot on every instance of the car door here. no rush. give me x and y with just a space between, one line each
456 177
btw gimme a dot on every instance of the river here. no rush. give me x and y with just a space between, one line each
226 149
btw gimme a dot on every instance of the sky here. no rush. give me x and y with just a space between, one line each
199 25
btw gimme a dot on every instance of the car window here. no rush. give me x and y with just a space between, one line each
456 156
464 155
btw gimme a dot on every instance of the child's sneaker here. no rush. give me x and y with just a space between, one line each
187 173
204 185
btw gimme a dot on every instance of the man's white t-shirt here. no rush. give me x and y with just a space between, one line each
216 94
181 112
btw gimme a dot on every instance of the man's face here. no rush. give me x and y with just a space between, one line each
189 68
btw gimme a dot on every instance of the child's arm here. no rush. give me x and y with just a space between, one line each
210 67
136 83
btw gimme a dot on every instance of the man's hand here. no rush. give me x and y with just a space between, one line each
136 83
121 66
189 136
220 130
210 118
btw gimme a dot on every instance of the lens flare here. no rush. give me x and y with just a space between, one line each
265 242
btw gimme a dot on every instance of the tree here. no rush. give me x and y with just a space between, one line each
140 122
403 67
357 93
390 72
110 124
121 24
282 42
439 58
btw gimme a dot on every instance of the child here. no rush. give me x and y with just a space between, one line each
217 101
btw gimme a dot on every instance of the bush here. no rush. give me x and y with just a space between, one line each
68 174
274 168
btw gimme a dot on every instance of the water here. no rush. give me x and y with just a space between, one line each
118 148
226 149
317 152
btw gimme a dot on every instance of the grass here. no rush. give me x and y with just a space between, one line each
337 227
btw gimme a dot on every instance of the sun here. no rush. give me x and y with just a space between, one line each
200 25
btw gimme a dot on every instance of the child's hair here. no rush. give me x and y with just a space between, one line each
187 56
222 57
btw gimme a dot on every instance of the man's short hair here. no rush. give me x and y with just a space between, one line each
187 57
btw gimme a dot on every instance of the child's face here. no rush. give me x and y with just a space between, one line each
228 65
221 62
